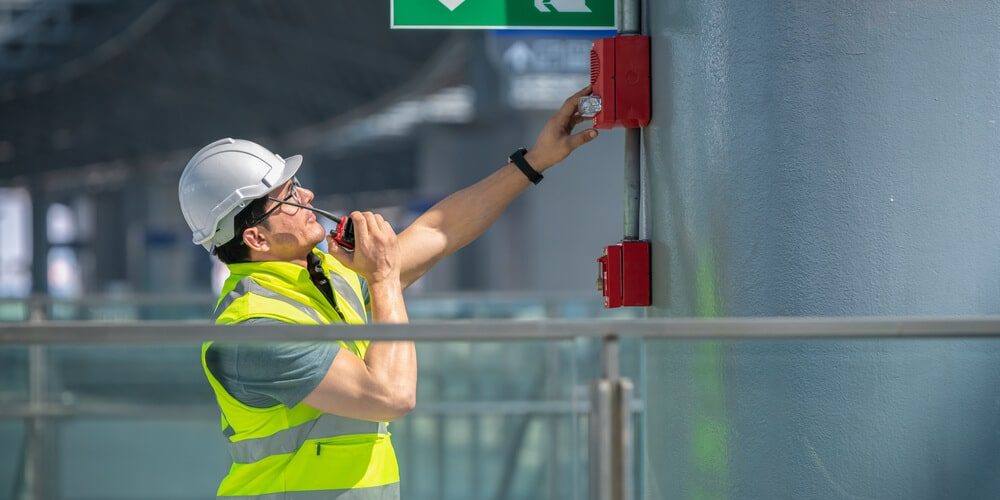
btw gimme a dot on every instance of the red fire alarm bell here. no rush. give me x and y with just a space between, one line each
623 274
619 74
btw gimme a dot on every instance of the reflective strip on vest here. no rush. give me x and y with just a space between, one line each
343 288
248 285
291 439
384 492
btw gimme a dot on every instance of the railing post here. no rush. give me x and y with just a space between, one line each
600 440
624 446
37 474
37 462
610 443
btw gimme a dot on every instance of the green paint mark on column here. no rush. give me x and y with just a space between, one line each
710 435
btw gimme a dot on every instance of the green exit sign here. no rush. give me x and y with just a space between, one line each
503 14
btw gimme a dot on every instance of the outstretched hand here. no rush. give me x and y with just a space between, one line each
557 140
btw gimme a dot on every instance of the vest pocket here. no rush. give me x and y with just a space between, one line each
351 442
356 461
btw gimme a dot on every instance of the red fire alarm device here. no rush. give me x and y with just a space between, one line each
609 276
619 75
623 274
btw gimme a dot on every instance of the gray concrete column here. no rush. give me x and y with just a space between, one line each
836 159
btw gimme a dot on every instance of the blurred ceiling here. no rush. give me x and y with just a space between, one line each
85 82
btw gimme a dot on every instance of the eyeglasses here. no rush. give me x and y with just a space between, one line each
293 195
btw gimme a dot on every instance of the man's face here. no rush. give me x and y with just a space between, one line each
291 232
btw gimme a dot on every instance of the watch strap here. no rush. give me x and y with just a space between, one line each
517 158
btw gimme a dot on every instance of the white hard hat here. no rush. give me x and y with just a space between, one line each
222 179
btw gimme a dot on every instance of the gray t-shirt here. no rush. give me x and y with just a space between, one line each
262 375
265 375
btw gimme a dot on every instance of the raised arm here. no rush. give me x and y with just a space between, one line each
463 216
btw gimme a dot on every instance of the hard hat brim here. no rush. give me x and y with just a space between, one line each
292 164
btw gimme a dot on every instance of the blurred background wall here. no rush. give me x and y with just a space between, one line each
102 103
804 158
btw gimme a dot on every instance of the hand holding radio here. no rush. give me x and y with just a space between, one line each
343 234
375 254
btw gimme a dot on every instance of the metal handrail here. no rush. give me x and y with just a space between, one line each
59 332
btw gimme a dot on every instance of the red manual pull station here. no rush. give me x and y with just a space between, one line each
619 74
623 274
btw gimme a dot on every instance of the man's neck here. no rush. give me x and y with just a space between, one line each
266 257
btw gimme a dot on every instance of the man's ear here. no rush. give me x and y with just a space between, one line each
254 239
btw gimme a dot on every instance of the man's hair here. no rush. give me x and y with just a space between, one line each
234 251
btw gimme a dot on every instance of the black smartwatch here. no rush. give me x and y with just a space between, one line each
517 158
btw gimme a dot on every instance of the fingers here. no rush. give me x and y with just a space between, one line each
578 119
373 225
360 226
385 224
577 140
376 250
376 225
379 222
582 92
382 224
346 258
375 222
569 106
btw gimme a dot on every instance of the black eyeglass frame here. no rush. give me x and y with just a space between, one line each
293 194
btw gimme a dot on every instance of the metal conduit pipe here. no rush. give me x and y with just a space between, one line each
629 24
611 436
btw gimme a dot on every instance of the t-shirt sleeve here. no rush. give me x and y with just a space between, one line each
262 375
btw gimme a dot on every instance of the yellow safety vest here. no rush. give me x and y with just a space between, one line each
282 453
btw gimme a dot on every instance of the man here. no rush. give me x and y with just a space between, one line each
309 420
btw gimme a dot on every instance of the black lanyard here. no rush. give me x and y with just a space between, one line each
322 282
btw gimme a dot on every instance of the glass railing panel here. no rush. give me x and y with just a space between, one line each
138 375
458 308
12 433
146 308
180 457
100 308
13 310
13 374
509 414
894 418
494 420
491 371
492 455
513 306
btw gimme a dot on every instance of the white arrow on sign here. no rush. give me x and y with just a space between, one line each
451 4
562 5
